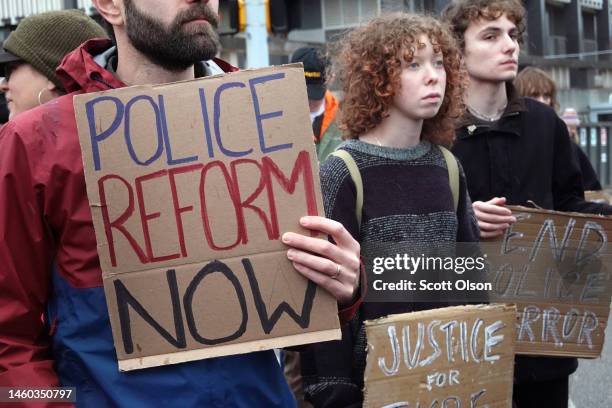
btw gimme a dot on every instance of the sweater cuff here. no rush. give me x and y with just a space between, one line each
349 312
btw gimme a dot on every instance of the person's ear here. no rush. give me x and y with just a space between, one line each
110 10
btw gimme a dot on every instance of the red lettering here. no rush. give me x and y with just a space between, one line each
145 218
178 210
241 230
271 229
301 165
118 223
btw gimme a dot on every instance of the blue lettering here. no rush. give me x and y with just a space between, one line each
171 160
91 119
260 117
217 118
128 137
203 104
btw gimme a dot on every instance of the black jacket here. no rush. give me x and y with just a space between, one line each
590 182
525 156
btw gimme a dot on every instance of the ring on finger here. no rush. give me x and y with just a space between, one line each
335 275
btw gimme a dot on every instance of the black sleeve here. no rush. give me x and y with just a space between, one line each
468 236
589 176
567 180
339 194
467 225
328 369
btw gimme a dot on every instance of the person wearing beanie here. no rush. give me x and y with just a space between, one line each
571 119
54 319
35 49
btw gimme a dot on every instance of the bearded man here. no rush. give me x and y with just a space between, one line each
49 263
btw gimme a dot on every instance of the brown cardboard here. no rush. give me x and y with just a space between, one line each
563 288
598 196
452 378
191 186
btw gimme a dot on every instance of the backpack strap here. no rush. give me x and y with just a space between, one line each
453 174
356 177
451 164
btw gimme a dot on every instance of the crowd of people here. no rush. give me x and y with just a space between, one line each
433 118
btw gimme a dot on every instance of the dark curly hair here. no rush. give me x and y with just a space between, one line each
458 14
368 61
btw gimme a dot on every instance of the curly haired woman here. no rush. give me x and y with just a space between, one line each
402 81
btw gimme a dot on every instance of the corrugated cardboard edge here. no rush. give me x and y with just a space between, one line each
576 354
230 349
441 312
149 87
519 208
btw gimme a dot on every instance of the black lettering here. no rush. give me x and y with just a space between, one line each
268 322
126 299
210 268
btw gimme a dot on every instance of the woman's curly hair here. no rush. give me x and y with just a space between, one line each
368 61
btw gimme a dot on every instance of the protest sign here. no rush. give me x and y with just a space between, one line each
602 196
556 268
190 186
459 356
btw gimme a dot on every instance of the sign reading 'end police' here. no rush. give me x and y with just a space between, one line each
191 186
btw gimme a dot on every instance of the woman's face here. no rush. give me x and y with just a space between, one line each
422 83
22 84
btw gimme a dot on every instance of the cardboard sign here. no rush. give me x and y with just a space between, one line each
556 267
190 186
603 197
453 357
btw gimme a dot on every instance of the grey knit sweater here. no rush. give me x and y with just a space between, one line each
407 200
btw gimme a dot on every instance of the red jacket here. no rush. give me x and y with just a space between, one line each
49 267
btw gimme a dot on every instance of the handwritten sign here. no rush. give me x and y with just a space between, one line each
453 357
556 267
603 197
191 186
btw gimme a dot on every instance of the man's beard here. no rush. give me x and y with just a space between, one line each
176 47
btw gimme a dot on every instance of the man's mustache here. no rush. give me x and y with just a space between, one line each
198 11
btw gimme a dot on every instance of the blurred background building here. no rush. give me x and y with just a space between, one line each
570 39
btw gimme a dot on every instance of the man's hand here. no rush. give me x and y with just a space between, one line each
493 218
334 267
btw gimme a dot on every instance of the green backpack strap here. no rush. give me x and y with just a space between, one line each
453 174
356 177
451 164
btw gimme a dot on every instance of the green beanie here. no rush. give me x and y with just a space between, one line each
42 40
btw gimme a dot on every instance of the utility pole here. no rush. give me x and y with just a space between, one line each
70 4
256 34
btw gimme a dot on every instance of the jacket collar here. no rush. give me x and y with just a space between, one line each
469 125
84 69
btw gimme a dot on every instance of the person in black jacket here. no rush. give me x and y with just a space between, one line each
514 150
535 83
589 176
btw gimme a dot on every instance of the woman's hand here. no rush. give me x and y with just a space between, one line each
334 267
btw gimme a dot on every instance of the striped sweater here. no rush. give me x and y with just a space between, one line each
407 200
